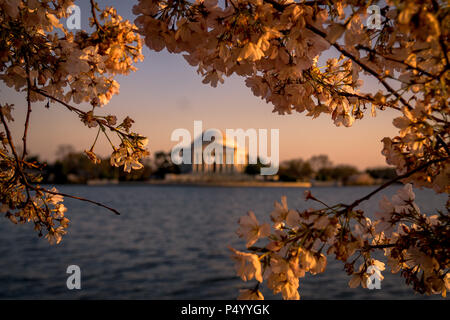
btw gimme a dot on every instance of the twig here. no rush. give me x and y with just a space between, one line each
74 197
80 112
27 120
94 16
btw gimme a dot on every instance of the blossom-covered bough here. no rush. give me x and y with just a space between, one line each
276 45
53 65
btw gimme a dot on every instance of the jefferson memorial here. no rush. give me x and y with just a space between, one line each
225 157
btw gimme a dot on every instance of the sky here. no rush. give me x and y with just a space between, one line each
166 93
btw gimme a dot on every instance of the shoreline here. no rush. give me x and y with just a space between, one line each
230 184
233 184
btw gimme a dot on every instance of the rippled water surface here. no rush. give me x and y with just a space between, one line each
169 243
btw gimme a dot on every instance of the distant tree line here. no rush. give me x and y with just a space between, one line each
72 166
320 168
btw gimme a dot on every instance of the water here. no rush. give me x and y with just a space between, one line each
169 243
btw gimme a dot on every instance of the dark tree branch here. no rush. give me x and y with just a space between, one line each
40 189
80 112
27 120
385 185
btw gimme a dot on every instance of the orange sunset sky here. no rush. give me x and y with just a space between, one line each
166 93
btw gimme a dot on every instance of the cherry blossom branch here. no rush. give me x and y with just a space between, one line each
367 97
80 112
25 180
74 197
361 64
385 185
281 7
18 162
361 47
